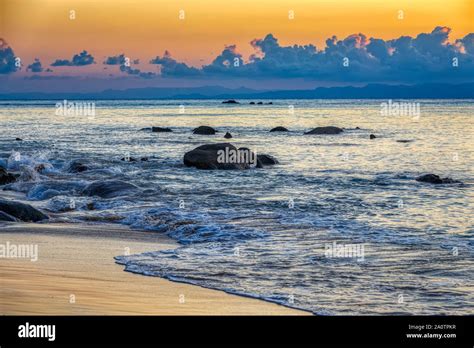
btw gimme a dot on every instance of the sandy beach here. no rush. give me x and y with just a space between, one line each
76 274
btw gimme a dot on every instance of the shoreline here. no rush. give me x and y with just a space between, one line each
76 274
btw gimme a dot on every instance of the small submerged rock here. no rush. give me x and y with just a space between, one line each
227 135
260 103
230 101
204 130
161 130
279 129
41 168
76 167
109 188
266 160
436 179
21 211
7 178
18 139
252 103
129 159
372 136
325 130
404 141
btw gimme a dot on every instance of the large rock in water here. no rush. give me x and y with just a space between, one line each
436 179
230 101
7 178
279 129
7 217
204 130
21 211
325 130
266 160
109 188
218 156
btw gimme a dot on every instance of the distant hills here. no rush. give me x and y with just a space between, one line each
370 91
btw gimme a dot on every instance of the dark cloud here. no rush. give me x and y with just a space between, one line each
7 58
426 57
172 68
115 60
137 72
35 66
80 59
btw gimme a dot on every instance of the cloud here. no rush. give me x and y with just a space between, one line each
125 67
115 60
137 72
356 58
35 66
7 58
170 67
80 59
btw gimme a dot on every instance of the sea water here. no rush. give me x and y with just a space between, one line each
339 227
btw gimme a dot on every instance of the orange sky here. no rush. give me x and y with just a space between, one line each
144 29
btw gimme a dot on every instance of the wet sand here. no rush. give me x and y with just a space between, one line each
76 274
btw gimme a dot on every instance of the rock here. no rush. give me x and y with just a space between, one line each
404 141
228 135
325 130
266 160
230 101
260 103
161 130
7 178
279 129
18 139
372 136
128 159
109 188
21 211
270 103
213 156
76 167
357 127
252 103
40 168
144 159
7 217
435 179
204 130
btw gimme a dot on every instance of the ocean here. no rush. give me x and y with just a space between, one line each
339 227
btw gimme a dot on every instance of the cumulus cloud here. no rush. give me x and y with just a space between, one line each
80 59
125 67
356 58
170 67
137 72
35 66
115 60
7 58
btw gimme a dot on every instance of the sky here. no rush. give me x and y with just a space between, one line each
265 44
